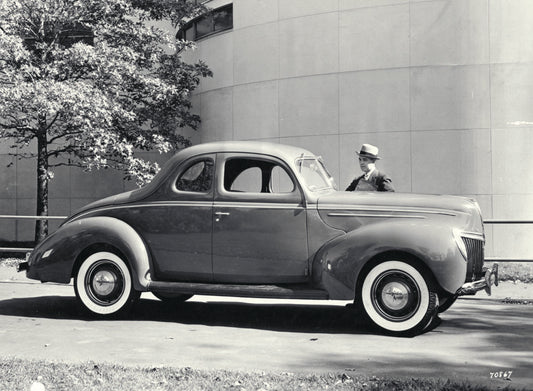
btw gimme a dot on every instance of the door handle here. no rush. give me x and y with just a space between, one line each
218 214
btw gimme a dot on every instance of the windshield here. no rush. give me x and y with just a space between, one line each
314 174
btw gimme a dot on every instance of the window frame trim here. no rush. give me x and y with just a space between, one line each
297 196
181 33
183 167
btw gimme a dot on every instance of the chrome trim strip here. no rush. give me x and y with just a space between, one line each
369 208
472 235
258 205
156 203
173 203
209 204
358 212
375 215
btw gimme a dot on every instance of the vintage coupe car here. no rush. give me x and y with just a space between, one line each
255 219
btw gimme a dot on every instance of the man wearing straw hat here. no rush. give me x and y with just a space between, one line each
372 179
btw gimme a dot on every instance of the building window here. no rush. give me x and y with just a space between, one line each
217 20
66 35
77 33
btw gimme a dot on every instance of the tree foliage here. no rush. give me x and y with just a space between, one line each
94 81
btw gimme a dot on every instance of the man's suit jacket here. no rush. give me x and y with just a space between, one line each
380 181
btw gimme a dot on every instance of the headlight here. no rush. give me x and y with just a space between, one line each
460 243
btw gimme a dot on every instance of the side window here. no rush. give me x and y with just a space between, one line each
248 180
256 176
197 177
280 181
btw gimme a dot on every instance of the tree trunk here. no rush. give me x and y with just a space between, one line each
41 226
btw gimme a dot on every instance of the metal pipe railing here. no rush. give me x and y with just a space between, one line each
496 259
505 221
16 249
488 221
499 221
14 217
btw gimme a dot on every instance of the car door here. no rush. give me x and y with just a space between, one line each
178 223
259 227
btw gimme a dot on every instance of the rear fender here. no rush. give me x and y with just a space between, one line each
54 259
338 263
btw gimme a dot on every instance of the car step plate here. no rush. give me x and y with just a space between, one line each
262 291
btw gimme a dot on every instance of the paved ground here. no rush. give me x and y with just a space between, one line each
475 338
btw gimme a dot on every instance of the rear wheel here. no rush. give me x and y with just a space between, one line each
103 285
397 298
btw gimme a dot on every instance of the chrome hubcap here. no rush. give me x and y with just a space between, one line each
104 282
395 295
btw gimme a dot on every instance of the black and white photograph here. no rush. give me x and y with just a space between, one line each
259 195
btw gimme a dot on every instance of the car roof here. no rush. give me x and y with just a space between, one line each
288 152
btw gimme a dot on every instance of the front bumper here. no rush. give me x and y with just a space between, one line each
490 278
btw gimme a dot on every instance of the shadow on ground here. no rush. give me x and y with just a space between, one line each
278 317
510 320
496 337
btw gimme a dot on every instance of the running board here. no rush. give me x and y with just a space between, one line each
261 291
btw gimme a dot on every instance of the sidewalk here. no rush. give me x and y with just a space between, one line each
509 290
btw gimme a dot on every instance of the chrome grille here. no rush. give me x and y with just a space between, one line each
476 256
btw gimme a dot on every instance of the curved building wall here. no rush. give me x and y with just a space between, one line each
444 88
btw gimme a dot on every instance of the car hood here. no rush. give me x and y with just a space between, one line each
335 207
357 200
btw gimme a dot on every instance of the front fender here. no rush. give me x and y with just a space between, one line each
338 263
53 260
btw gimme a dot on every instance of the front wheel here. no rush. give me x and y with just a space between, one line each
397 298
103 285
445 302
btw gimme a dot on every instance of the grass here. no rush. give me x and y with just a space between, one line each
516 271
17 374
10 262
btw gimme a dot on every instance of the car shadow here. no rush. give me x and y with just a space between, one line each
50 307
276 317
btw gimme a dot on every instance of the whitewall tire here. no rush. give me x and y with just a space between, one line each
446 302
397 298
103 284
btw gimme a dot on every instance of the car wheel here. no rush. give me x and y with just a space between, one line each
172 298
397 298
103 285
445 302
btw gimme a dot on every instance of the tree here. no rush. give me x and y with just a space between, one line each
93 81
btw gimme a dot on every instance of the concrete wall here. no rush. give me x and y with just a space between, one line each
444 88
70 189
